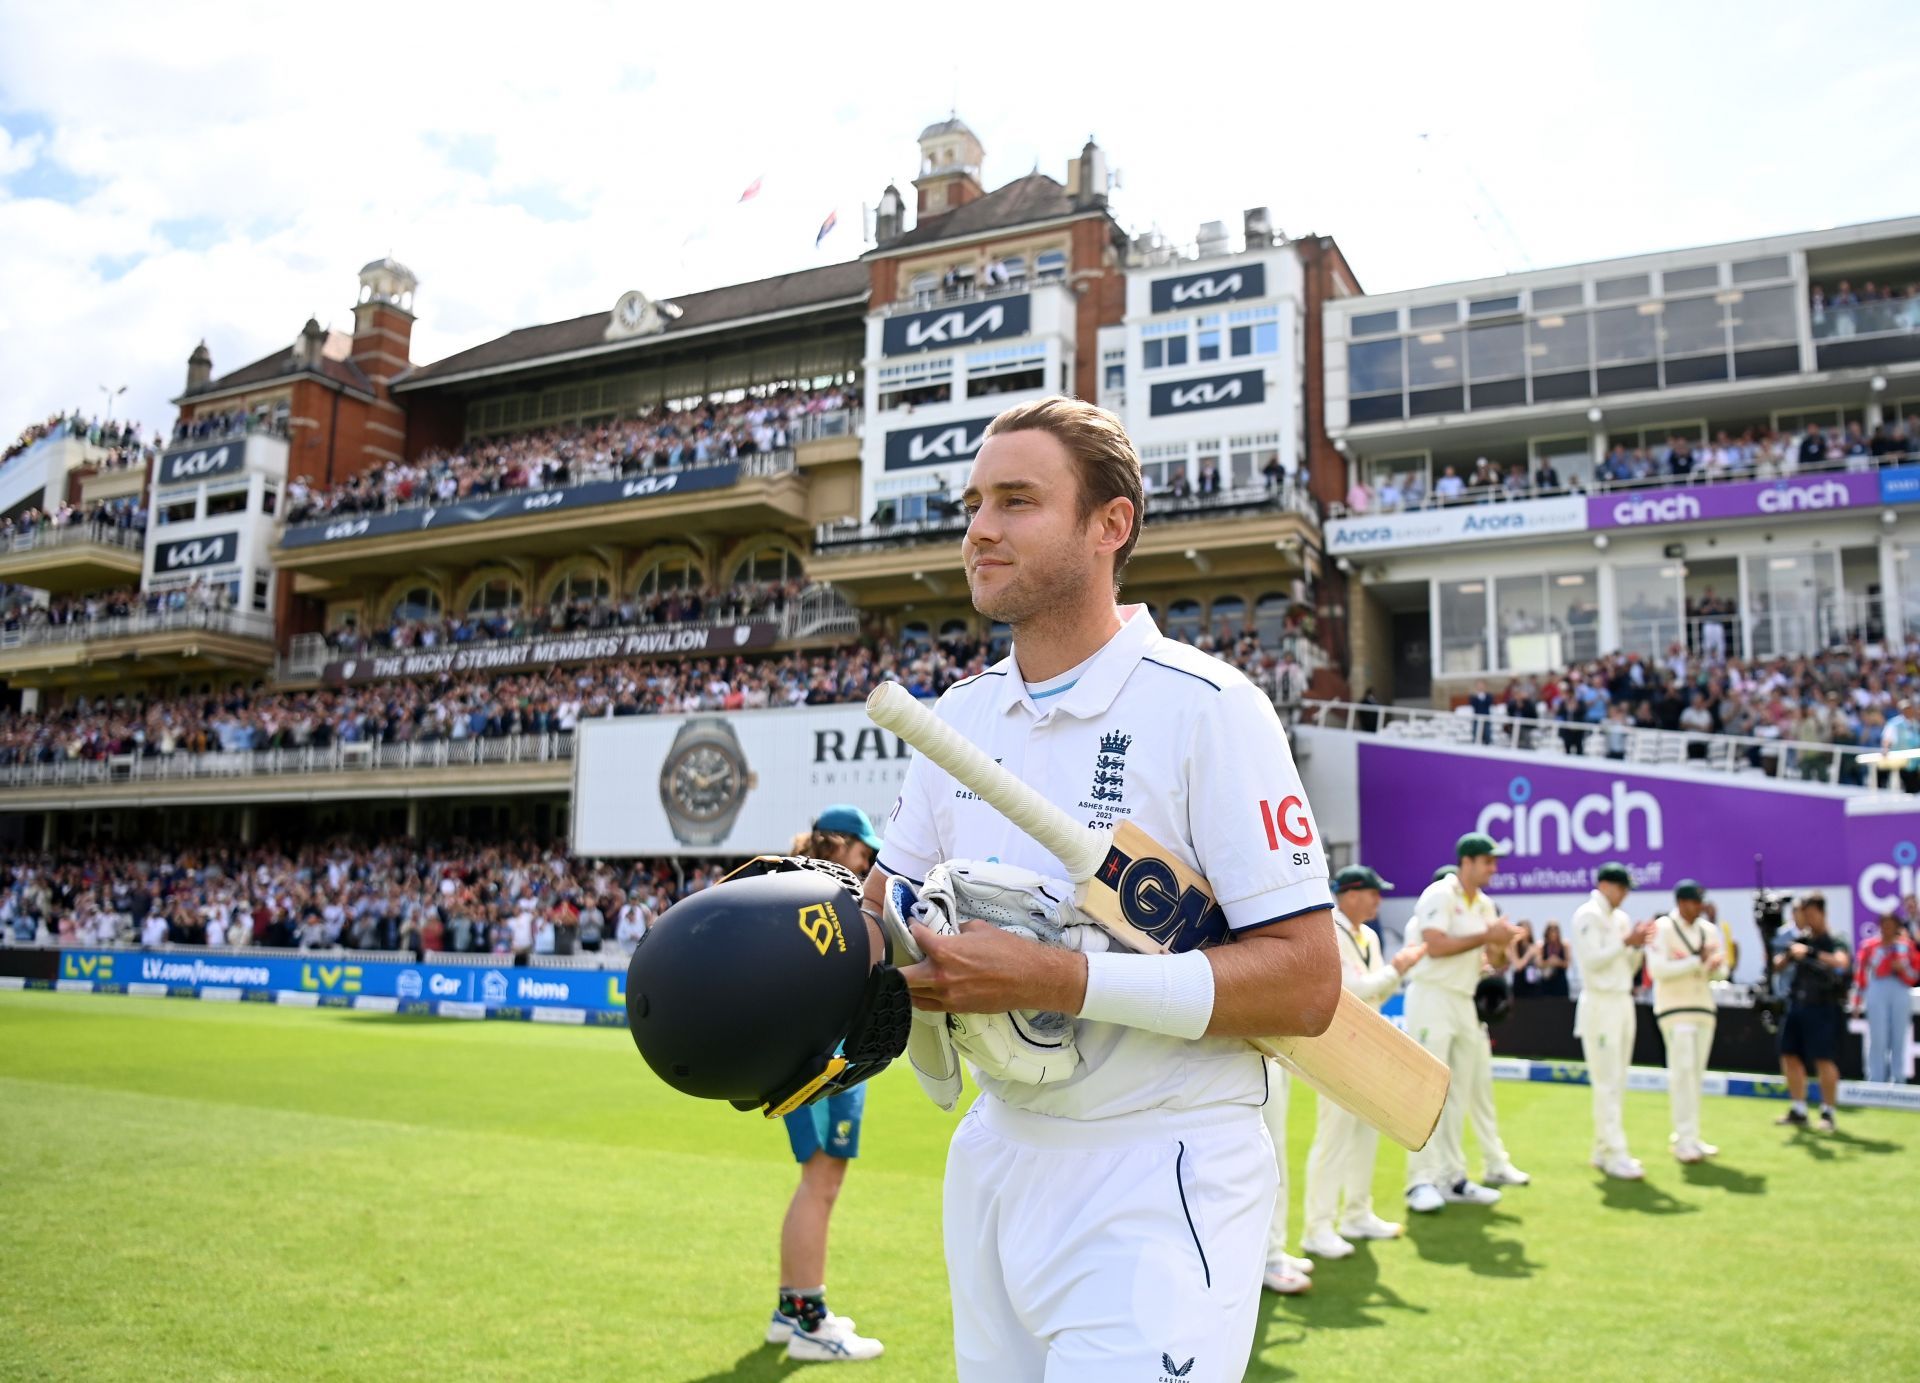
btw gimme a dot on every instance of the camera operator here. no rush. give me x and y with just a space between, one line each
1815 965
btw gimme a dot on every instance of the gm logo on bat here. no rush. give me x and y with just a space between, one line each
1152 899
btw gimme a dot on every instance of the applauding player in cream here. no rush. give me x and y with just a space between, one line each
1684 958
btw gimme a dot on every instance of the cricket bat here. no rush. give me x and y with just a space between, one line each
1362 1062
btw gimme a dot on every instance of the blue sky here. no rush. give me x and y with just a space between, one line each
162 181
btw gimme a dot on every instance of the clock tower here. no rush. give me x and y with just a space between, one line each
383 320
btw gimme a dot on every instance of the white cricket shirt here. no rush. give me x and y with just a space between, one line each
1607 964
1443 907
1184 746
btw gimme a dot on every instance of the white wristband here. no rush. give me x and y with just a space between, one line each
1164 994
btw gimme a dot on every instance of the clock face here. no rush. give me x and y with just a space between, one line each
632 308
704 781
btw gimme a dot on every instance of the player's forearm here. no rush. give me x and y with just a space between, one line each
1375 984
1280 980
1663 968
1446 944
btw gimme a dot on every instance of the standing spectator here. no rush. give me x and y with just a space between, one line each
1816 965
1889 969
1553 962
1481 703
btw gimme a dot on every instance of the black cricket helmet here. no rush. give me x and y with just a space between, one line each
761 989
1492 998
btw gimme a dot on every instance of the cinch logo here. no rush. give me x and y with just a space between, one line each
1785 499
1880 887
1288 821
1203 393
86 967
952 327
552 990
334 979
949 444
546 501
1201 290
200 463
1574 824
194 554
1670 509
353 528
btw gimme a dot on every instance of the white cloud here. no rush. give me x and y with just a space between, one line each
230 180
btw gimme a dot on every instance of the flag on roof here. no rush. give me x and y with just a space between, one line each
826 228
753 190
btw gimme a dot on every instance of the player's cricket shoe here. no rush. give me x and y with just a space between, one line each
1707 1149
1464 1192
1623 1168
1371 1226
1424 1199
1508 1175
833 1343
1687 1152
782 1326
1324 1243
1303 1266
1280 1277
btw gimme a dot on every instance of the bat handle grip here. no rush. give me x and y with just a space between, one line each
892 707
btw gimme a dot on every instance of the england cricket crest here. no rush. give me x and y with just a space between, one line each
1110 769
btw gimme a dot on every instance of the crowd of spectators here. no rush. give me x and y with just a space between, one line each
1750 454
214 427
744 602
1870 308
520 899
1805 710
121 440
126 517
657 442
23 609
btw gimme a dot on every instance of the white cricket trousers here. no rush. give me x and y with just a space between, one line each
1445 1023
1604 1025
1274 1114
1082 1251
1339 1168
1689 1038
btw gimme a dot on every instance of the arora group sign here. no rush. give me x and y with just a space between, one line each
1460 523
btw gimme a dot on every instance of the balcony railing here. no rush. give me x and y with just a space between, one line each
968 291
74 535
245 623
813 427
1887 317
850 536
360 757
1845 765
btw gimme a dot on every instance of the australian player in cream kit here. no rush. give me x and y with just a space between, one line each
1112 1225
1684 957
1608 943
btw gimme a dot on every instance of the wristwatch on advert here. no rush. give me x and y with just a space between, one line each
704 781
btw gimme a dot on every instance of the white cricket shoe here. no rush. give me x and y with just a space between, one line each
1623 1168
833 1343
1464 1192
1509 1175
1424 1199
1303 1266
782 1326
1707 1149
1371 1226
1324 1243
1280 1277
1687 1152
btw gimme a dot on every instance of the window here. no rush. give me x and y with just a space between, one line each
1374 367
1113 377
1614 290
1692 326
1558 343
771 564
1496 352
1207 339
955 631
262 590
1183 620
916 635
1622 333
922 287
268 498
180 511
1686 280
1762 315
227 502
1164 344
916 382
1463 625
1433 357
1254 331
1756 270
1545 622
1438 315
1648 601
1228 618
422 602
668 574
1050 264
1160 464
493 597
1373 324
1004 369
1551 299
580 585
1493 307
1249 457
1270 618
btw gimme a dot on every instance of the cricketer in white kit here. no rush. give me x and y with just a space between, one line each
1112 1225
1607 944
1685 957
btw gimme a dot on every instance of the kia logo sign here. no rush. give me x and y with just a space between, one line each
957 326
931 446
353 528
1196 395
1216 286
546 501
184 467
184 554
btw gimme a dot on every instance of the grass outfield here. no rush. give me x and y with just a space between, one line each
212 1191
